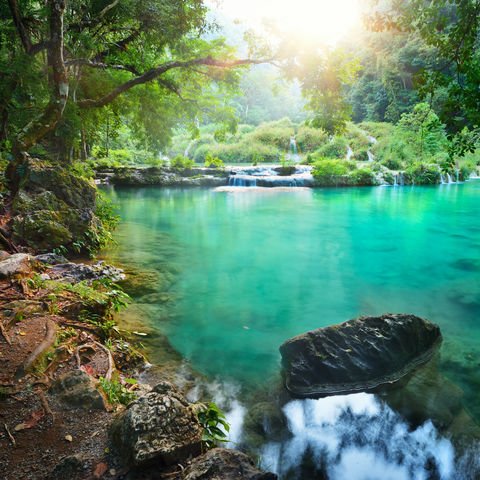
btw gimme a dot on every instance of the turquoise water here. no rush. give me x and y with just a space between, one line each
243 270
257 267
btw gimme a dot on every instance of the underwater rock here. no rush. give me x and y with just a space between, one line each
264 421
358 355
160 426
223 464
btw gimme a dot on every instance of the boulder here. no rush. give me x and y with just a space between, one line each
223 464
4 254
160 426
16 265
77 272
78 389
53 207
51 259
358 355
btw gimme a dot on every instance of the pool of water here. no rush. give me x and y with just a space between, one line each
245 270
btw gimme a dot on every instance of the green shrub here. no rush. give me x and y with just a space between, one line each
212 420
393 164
423 173
328 171
116 392
310 139
363 176
337 148
213 162
182 162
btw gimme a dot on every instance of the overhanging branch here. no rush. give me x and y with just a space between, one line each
156 72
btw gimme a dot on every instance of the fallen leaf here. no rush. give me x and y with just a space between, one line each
100 470
89 369
22 333
68 438
32 420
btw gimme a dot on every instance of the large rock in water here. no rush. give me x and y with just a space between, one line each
160 427
360 354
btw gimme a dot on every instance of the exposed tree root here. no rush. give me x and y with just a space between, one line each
4 333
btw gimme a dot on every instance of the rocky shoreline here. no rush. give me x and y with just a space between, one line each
270 176
64 380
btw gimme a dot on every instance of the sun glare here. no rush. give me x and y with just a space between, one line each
316 20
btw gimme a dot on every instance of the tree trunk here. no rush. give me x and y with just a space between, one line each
83 144
47 121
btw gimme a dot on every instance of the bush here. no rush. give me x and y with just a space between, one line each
182 162
337 148
363 176
329 172
393 164
310 139
423 173
213 162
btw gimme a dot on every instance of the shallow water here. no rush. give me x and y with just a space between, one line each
248 269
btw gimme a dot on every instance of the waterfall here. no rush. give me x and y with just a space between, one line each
395 181
349 153
473 175
270 176
189 146
442 178
372 140
449 178
242 181
293 145
457 172
370 156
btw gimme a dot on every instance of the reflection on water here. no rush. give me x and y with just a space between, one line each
243 271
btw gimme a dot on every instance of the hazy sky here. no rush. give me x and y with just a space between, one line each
319 19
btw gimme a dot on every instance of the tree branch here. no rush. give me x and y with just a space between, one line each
19 25
156 72
90 63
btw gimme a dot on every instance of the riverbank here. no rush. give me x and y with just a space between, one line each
68 371
321 175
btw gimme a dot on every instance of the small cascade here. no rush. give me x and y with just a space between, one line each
372 140
442 178
398 179
189 146
242 181
270 176
456 173
370 156
473 176
349 153
449 178
293 145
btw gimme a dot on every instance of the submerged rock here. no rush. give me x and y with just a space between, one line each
77 389
223 464
264 421
160 427
360 354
